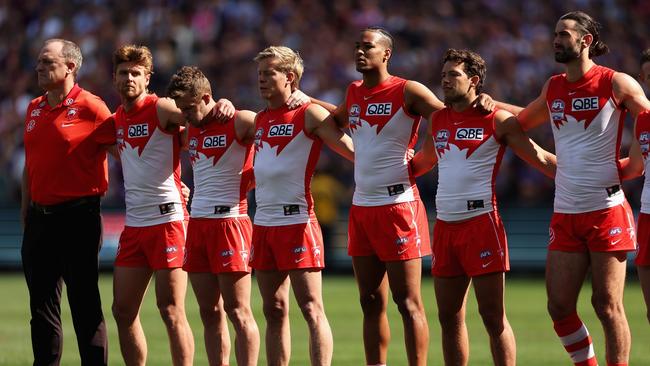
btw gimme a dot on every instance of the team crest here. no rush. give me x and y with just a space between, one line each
644 142
557 110
30 125
258 137
119 136
353 116
192 145
72 113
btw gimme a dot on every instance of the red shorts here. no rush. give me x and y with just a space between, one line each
473 247
392 232
218 245
606 230
281 248
159 246
643 237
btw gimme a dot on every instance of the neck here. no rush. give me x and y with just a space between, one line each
209 116
575 70
58 93
129 104
464 103
279 100
375 77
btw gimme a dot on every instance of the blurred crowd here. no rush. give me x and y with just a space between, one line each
223 36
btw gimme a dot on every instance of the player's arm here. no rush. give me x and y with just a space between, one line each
426 158
298 98
169 116
508 131
535 113
245 126
632 166
419 100
317 123
629 93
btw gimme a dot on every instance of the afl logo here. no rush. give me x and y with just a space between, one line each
355 110
557 105
30 125
192 145
68 102
258 137
119 136
644 137
441 139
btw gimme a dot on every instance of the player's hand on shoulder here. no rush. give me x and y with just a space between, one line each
185 191
484 103
224 110
297 98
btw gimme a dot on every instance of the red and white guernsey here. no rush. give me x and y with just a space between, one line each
151 166
382 131
223 170
587 125
642 134
469 157
285 159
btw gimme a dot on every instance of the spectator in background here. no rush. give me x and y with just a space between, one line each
65 175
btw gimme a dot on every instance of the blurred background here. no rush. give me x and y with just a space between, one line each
222 37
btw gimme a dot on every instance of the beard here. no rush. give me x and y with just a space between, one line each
566 55
453 97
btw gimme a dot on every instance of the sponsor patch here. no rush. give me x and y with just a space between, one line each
584 104
281 130
212 142
379 109
469 134
140 130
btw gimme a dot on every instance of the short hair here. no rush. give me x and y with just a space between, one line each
387 37
132 53
70 52
290 60
645 57
188 80
587 25
473 64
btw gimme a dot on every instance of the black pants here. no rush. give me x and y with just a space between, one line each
63 246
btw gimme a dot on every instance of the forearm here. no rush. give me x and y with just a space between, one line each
514 109
421 164
328 106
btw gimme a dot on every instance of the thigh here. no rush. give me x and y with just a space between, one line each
451 293
399 231
370 273
41 258
486 248
405 278
490 291
307 285
608 275
129 287
206 288
565 273
81 270
171 286
235 289
643 240
274 287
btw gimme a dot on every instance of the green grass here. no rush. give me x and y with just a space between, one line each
526 299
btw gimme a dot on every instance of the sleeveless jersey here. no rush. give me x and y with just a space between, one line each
587 126
642 134
285 159
150 164
223 170
469 157
382 131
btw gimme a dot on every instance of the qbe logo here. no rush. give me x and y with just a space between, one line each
211 142
469 134
379 109
141 130
584 104
281 130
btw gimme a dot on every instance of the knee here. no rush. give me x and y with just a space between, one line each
313 312
239 315
494 320
409 306
276 312
210 314
171 313
607 308
450 319
124 314
559 310
372 304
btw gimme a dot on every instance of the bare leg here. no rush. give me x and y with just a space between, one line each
129 287
370 274
171 286
213 316
307 286
451 294
608 282
490 289
236 292
644 277
404 278
274 288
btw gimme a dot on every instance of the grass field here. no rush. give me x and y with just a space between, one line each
536 342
